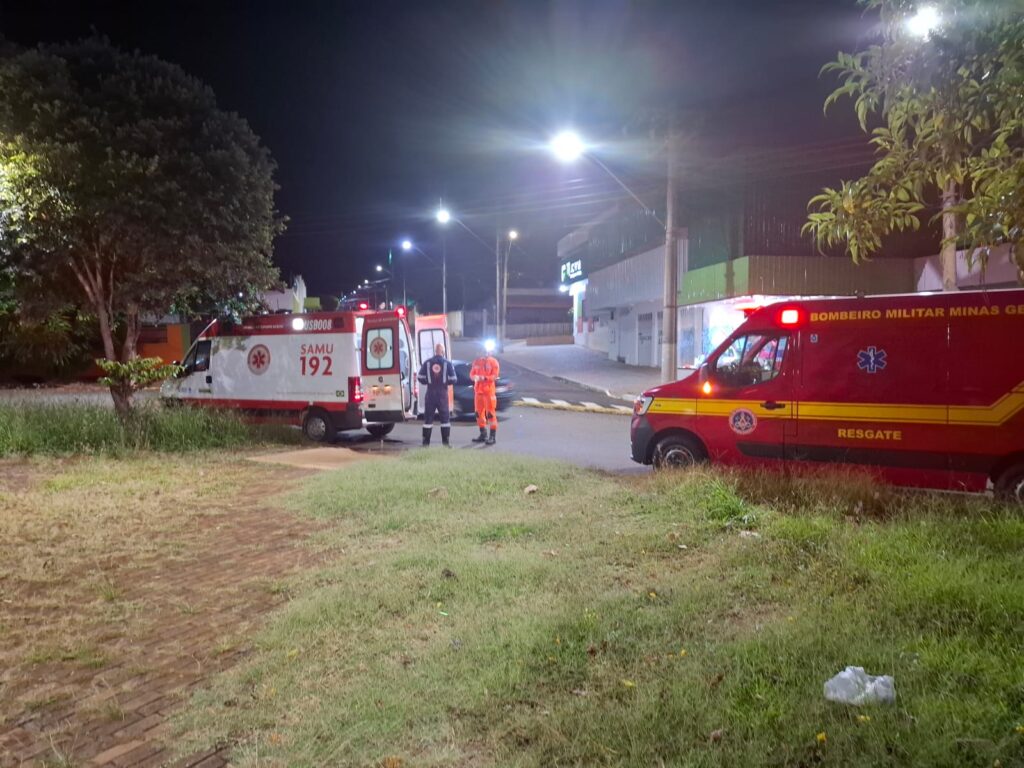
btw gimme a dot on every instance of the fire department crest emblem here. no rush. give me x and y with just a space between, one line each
436 368
259 359
742 421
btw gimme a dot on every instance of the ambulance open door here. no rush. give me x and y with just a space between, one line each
432 330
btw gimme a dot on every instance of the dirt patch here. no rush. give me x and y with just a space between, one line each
103 633
315 458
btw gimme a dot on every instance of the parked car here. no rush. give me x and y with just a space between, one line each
463 392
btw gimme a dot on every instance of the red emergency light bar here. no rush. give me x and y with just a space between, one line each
400 311
363 305
791 317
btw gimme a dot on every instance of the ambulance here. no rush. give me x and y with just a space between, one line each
921 390
325 371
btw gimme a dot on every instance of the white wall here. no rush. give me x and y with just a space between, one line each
1000 271
637 279
289 300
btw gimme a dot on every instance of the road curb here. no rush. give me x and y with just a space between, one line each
571 407
591 387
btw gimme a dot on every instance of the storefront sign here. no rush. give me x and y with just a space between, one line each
571 270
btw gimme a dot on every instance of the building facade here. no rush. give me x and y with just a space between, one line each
741 248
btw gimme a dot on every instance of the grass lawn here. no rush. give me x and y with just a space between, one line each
680 619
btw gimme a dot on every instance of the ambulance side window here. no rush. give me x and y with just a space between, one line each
380 349
750 360
430 339
202 361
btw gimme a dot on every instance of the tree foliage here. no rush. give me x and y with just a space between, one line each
123 185
945 112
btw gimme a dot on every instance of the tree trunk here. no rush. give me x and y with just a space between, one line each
121 394
949 233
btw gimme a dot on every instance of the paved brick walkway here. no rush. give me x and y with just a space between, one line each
118 715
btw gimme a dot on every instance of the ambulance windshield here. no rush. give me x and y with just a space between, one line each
751 359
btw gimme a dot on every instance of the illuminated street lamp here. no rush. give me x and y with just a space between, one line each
443 217
567 146
407 245
924 22
513 235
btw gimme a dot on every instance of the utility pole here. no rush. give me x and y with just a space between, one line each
669 316
444 274
497 288
504 286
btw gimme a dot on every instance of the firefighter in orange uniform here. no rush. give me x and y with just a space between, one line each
484 373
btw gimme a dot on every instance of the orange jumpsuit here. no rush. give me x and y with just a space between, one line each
484 373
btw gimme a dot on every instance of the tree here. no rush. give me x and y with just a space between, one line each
124 186
940 94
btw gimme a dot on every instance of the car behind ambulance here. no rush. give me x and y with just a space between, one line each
924 390
306 369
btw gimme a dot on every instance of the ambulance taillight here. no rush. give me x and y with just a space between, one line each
355 389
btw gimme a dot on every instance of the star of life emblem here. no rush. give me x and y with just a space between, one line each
872 360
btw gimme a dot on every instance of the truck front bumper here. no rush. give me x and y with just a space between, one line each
641 433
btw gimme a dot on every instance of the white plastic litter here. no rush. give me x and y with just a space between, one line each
855 686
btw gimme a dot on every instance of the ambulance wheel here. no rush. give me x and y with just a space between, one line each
1010 484
678 452
318 427
380 431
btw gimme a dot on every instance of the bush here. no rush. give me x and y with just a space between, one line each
76 428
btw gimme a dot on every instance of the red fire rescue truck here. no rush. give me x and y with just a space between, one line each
328 371
924 390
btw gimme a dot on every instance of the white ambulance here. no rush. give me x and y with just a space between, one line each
328 371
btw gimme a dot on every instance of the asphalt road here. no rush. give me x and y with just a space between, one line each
536 386
592 440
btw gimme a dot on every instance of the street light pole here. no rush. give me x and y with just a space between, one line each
567 147
497 287
670 313
443 217
512 235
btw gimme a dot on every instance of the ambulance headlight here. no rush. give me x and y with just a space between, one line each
642 404
298 324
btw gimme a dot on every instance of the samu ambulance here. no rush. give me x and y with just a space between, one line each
328 371
923 390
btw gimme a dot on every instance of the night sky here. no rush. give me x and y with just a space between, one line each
376 110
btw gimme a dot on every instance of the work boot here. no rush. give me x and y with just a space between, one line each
426 435
446 433
491 437
482 438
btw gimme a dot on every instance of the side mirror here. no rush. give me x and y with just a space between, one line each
702 373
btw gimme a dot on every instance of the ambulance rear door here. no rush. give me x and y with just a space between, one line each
386 368
432 330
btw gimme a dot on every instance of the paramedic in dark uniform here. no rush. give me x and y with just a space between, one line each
437 374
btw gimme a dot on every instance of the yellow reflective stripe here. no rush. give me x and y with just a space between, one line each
673 405
725 407
881 412
1001 411
1004 409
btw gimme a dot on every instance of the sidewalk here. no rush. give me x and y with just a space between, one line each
586 367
